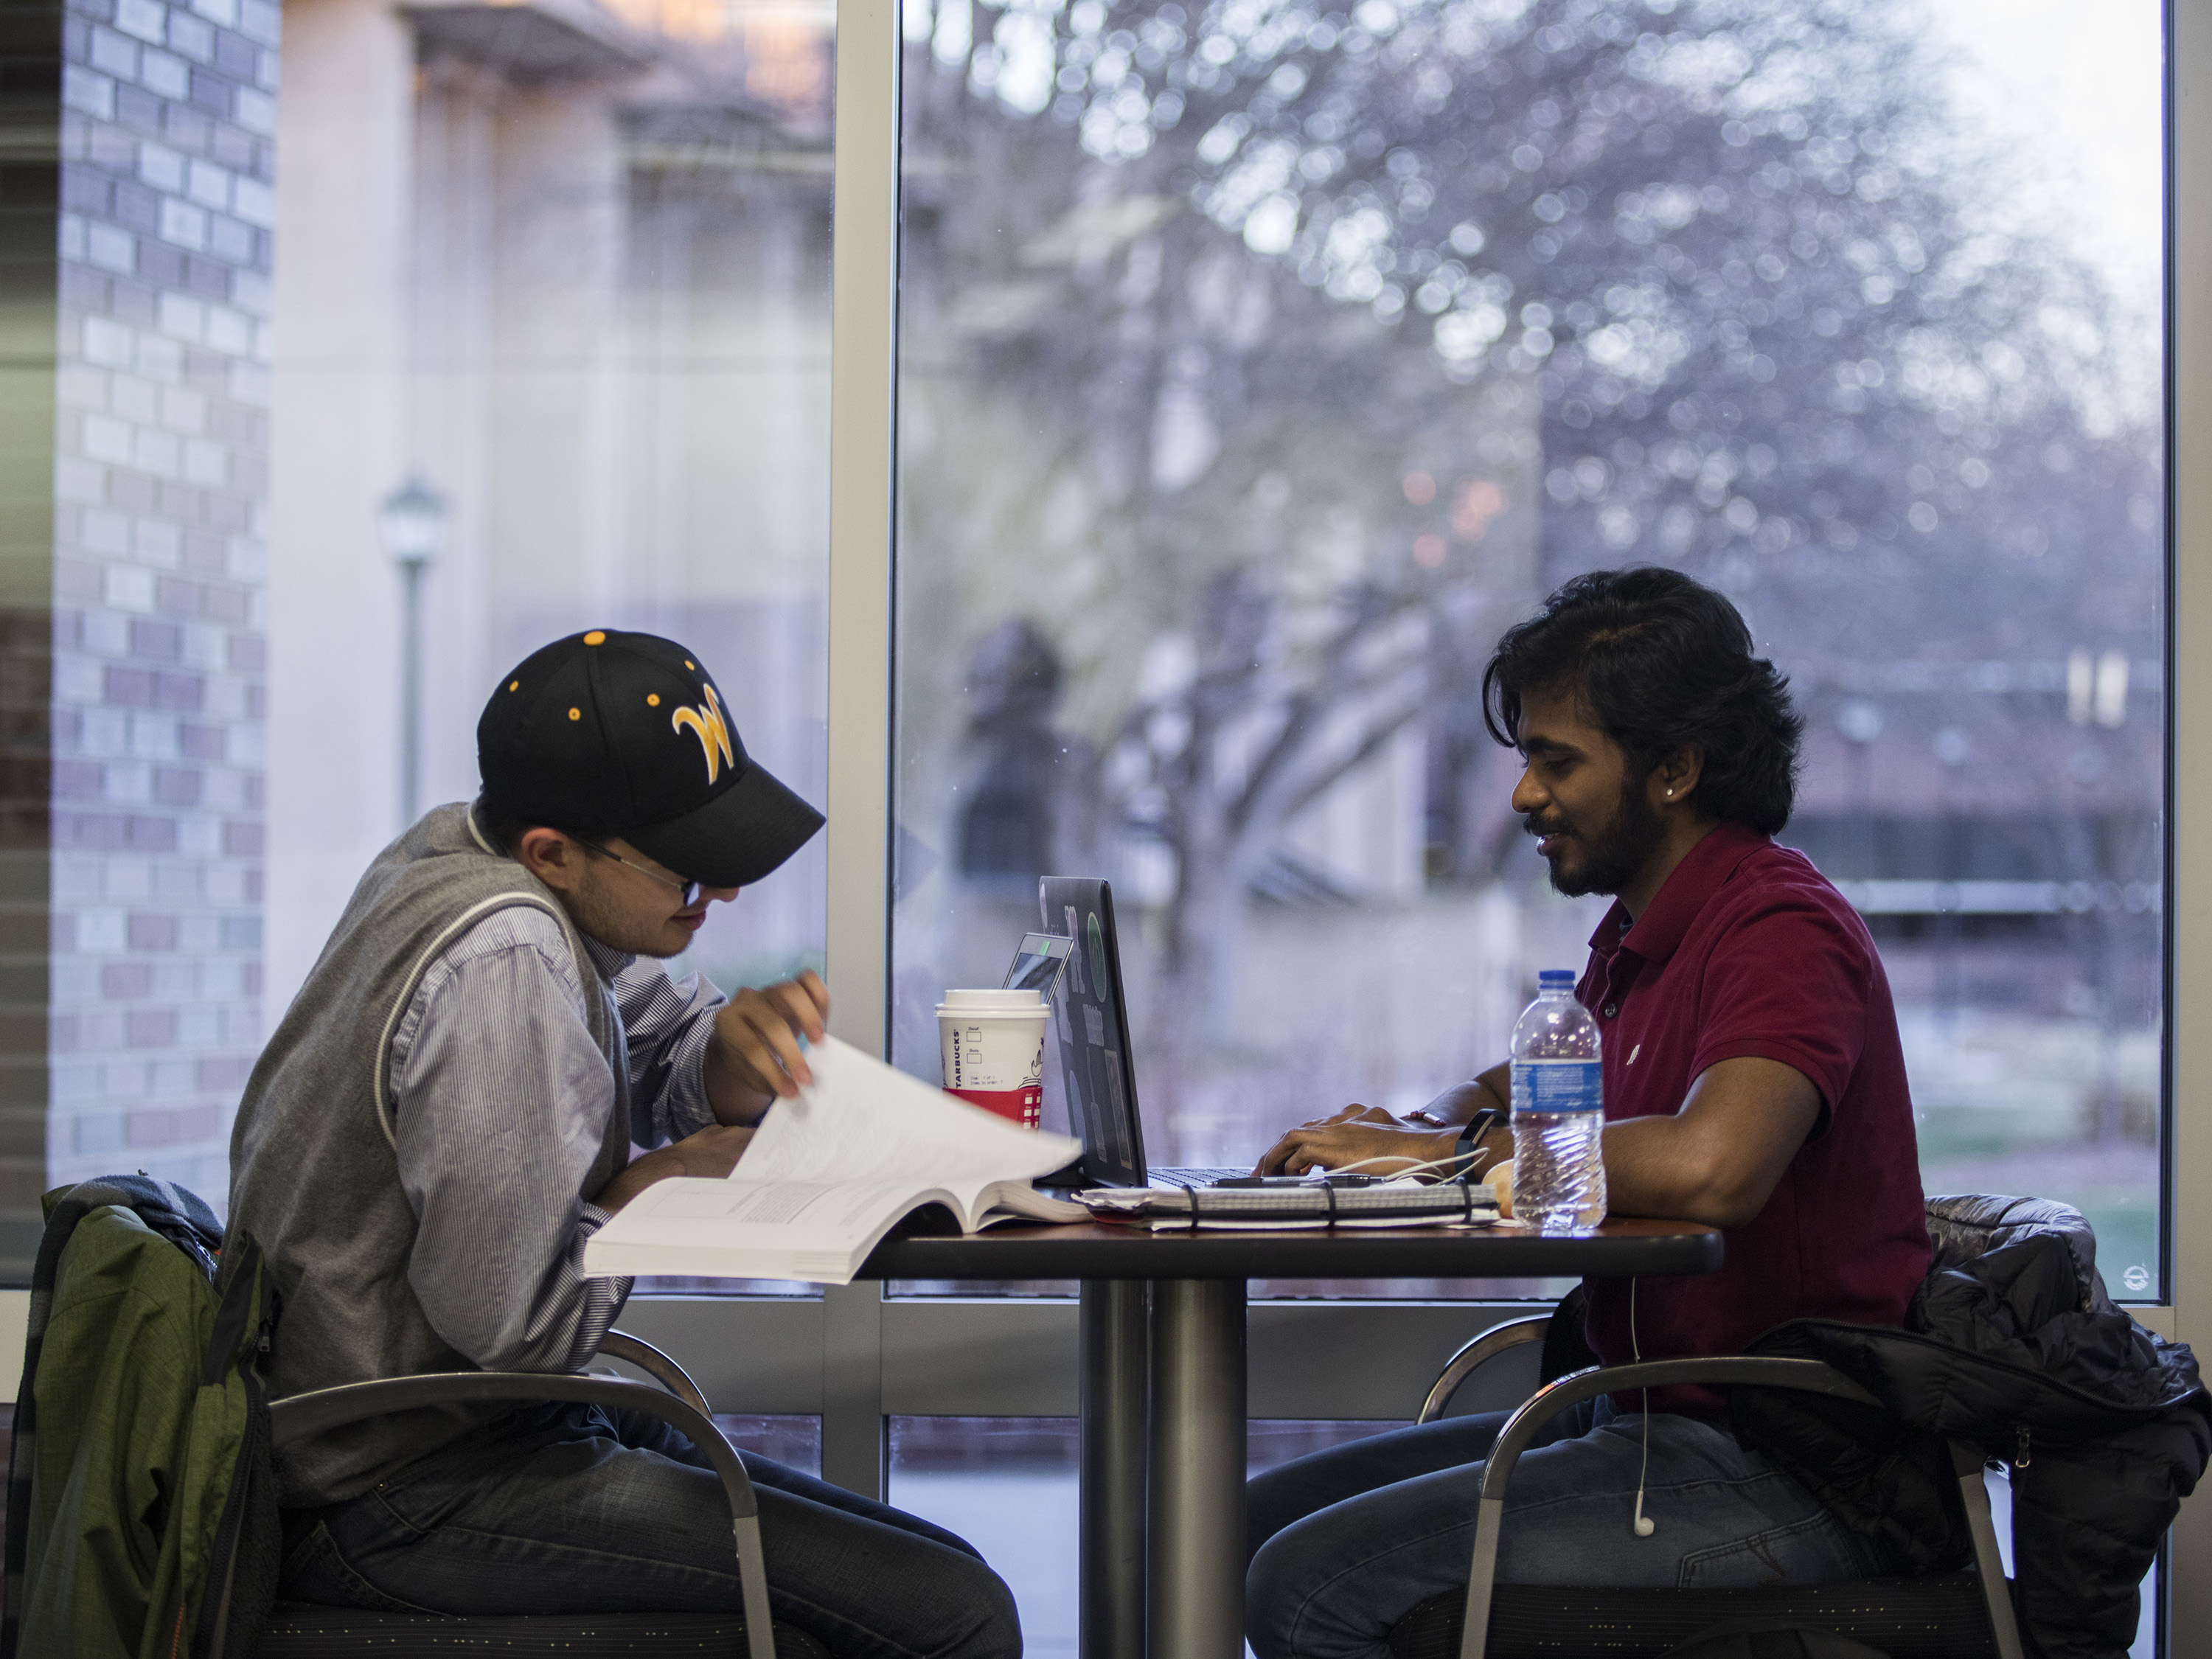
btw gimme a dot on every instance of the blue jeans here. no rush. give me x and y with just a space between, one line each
1345 1543
568 1509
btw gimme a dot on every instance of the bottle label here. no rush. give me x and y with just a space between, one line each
1558 1086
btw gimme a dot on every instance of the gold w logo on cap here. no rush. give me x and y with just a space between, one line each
713 732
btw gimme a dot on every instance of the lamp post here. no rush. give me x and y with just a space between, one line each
412 524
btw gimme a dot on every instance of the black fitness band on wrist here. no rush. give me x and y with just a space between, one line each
1470 1136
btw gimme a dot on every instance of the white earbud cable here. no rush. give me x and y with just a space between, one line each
1644 1525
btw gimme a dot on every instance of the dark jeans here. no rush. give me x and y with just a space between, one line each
1345 1543
568 1509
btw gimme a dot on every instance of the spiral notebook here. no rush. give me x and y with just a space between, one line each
1173 1209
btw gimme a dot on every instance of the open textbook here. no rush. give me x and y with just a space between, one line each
830 1173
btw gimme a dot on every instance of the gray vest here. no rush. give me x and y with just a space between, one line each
314 1177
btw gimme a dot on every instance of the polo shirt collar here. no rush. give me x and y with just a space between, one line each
1700 874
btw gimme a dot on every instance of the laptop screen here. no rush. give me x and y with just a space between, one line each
1092 1021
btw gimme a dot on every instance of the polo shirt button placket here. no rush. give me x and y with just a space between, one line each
1609 1010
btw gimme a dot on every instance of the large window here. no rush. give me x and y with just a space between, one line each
1259 362
607 355
553 354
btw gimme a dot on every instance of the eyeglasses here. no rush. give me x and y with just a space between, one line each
689 889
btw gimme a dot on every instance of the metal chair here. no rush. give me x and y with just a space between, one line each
299 1631
1498 1340
1960 1615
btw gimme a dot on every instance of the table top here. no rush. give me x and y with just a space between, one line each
1097 1250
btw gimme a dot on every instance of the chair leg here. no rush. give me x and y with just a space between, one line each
1989 1564
1474 1626
752 1583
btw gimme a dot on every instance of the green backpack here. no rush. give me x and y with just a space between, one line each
142 1514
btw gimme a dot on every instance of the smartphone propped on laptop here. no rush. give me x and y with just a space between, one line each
1038 964
1090 1020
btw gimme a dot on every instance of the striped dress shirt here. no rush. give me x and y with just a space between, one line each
501 1101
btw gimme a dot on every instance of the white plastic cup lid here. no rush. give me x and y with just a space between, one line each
993 1002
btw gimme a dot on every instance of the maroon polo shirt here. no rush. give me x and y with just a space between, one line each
1747 949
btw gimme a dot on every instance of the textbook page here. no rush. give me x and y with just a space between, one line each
861 1119
828 1175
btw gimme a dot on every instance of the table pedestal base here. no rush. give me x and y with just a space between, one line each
1195 1564
1116 1372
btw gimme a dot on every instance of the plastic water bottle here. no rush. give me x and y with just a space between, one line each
1558 1111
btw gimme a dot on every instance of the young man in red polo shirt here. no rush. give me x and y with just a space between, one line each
1753 1081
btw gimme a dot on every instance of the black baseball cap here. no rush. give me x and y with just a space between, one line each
608 733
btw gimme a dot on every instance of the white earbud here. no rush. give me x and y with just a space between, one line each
1645 1526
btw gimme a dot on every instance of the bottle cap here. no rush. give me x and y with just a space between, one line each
1555 979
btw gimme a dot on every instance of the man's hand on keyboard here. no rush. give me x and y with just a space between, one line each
1357 1134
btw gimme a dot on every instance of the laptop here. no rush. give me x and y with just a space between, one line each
1091 1019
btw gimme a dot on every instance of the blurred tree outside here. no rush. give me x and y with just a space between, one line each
1269 358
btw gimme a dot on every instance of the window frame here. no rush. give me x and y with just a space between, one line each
2187 1314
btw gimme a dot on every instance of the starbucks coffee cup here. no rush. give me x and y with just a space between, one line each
992 1043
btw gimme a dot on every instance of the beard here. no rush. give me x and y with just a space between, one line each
602 915
1612 856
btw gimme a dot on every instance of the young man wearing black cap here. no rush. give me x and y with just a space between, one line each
445 1116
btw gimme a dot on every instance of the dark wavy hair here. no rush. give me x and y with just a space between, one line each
1663 664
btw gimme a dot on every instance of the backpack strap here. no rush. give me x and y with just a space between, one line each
245 1307
243 1563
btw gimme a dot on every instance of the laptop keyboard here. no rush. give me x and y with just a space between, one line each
1191 1177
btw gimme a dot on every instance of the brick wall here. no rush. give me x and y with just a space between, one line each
160 445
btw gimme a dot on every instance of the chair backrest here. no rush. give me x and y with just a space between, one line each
1968 1226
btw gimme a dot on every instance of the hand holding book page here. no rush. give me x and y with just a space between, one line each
829 1173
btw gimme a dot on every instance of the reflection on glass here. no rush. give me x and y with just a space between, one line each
794 1442
1261 362
569 279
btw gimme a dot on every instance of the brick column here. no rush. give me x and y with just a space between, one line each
159 508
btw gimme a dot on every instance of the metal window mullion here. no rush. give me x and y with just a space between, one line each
863 368
2188 380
